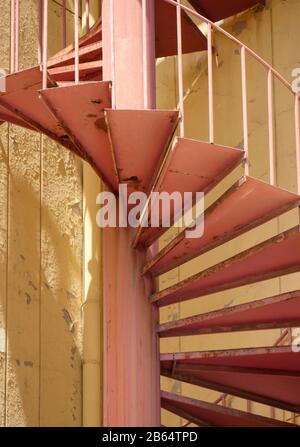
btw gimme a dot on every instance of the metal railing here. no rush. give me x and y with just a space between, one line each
43 34
271 74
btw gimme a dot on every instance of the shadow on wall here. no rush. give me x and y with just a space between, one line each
41 377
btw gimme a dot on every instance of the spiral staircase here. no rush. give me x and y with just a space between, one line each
80 117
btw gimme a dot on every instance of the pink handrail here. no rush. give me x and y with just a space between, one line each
14 35
235 40
76 39
271 73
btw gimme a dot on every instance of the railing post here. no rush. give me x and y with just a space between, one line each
297 135
271 129
40 48
76 39
210 84
87 16
14 35
64 23
245 109
45 43
17 31
179 66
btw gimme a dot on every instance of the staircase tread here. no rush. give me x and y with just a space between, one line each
246 205
67 72
212 415
275 257
87 53
139 141
22 100
80 110
194 166
274 312
269 375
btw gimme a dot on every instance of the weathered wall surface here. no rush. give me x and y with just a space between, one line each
274 34
42 281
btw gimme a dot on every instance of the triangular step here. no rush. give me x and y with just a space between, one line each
166 32
244 206
216 10
87 53
80 110
269 375
275 312
21 99
10 117
139 140
86 71
193 166
277 256
205 414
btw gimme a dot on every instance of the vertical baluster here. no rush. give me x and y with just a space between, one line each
40 14
45 43
12 36
297 134
17 31
271 129
210 84
112 52
145 68
179 66
64 23
249 406
87 16
245 109
76 38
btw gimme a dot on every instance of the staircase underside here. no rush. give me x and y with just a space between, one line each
216 10
266 375
205 414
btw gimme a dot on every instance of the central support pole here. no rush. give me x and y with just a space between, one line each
131 351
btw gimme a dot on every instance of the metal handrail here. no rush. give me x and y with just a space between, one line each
271 74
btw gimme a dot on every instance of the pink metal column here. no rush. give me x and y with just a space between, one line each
131 356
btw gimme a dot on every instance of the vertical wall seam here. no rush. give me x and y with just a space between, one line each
40 278
6 273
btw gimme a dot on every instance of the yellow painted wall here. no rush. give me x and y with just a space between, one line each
274 34
42 243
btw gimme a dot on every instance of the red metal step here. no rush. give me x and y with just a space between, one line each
247 204
277 256
275 312
86 71
139 141
269 375
21 99
80 110
216 10
10 117
193 166
205 414
87 53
